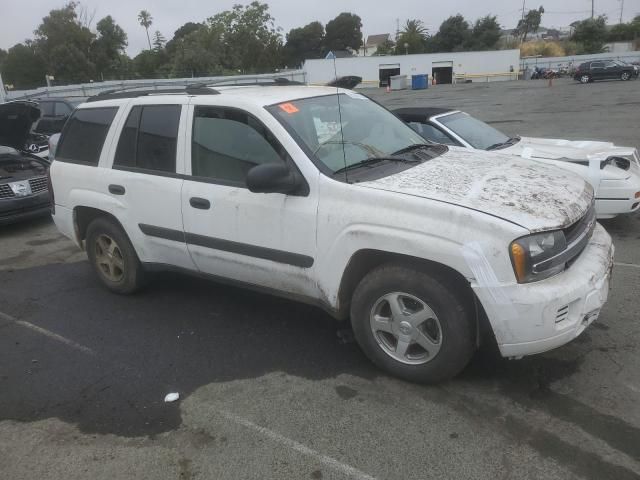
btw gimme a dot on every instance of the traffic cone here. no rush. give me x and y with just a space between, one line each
388 88
433 81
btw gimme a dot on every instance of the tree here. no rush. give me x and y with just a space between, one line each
530 23
146 20
304 43
625 32
23 67
3 58
591 35
453 35
485 34
388 47
158 41
413 38
64 45
108 48
343 32
249 39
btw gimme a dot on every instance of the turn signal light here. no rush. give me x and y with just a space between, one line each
519 261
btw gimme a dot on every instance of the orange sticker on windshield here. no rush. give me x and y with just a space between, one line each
289 107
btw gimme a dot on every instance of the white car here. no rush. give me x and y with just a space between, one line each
614 172
323 196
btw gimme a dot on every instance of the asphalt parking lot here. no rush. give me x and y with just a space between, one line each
274 389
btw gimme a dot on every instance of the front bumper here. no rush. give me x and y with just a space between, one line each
17 209
536 317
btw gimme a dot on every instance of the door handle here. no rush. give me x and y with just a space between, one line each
116 189
201 203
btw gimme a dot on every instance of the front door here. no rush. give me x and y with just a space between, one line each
267 240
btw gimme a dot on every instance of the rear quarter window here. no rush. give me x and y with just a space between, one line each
84 134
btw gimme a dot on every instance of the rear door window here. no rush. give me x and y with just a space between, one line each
84 134
149 139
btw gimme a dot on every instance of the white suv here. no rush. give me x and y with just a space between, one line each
322 195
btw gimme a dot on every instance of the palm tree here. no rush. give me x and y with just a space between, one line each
415 27
145 19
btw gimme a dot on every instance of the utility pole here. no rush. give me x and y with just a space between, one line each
523 7
397 29
592 8
621 9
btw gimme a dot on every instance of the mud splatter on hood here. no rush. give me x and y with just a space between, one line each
533 195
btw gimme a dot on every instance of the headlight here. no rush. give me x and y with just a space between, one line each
528 253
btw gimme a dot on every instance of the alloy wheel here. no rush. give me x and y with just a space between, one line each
406 328
109 259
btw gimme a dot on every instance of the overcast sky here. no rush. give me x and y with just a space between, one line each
18 21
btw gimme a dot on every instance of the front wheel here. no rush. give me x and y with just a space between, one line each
625 76
413 325
585 79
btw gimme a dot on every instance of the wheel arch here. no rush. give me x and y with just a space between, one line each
84 215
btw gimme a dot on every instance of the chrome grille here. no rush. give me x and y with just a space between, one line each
38 184
5 191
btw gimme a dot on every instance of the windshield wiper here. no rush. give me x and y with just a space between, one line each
371 161
415 146
508 143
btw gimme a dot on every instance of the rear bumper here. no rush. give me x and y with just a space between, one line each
14 210
536 317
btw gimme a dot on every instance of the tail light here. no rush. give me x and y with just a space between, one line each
52 198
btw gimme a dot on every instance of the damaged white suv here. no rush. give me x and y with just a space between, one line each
321 195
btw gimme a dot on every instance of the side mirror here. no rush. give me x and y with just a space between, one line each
273 178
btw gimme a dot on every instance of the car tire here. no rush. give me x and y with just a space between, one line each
625 76
113 257
434 329
584 79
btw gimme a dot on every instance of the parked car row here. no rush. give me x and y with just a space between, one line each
321 195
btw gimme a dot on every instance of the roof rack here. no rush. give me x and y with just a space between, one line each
131 92
190 89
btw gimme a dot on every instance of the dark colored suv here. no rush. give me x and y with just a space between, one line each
55 112
605 70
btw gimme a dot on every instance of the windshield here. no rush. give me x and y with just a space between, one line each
475 132
368 130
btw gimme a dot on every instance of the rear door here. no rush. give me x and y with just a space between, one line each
597 70
267 240
143 179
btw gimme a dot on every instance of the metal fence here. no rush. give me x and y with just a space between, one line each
89 89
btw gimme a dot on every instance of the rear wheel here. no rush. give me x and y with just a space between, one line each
625 76
412 324
113 257
585 79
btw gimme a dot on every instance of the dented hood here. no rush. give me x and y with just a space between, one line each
568 150
533 195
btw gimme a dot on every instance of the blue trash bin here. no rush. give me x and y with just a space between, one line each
419 82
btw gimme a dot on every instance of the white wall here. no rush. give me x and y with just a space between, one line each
469 63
